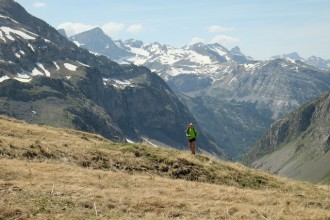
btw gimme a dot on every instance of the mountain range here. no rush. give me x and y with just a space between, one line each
313 60
46 79
234 98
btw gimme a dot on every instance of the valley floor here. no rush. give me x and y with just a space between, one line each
34 190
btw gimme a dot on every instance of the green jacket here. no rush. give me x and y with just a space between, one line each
191 133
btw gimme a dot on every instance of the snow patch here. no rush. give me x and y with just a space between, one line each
31 47
220 51
70 66
8 31
2 37
296 69
233 79
147 141
57 67
22 52
121 84
23 76
18 55
23 80
94 53
6 17
36 72
82 64
130 141
252 67
139 51
3 78
77 43
47 73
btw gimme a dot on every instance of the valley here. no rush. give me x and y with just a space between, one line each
229 93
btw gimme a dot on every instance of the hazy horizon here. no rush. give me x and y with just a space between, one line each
260 28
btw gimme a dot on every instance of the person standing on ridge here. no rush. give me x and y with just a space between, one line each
191 133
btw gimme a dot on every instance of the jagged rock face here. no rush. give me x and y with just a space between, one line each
46 79
63 32
14 11
278 85
298 145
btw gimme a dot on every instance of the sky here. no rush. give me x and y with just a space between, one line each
261 28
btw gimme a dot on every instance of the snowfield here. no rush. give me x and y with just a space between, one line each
70 66
3 78
9 31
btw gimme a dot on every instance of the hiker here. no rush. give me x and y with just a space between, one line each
191 133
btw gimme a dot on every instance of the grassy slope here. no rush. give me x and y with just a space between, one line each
303 154
308 164
65 174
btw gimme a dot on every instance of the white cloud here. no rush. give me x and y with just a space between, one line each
113 28
196 40
226 41
134 28
39 5
75 28
218 28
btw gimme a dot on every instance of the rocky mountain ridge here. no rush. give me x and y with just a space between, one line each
94 40
45 78
318 62
298 145
230 94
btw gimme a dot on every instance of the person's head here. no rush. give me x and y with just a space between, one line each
191 124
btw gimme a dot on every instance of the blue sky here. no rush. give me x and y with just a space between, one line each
261 28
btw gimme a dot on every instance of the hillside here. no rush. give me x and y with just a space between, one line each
46 79
49 173
298 145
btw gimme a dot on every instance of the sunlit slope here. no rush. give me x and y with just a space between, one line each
298 145
65 174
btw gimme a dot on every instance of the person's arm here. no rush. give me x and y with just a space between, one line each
187 132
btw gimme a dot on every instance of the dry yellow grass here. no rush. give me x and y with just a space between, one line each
49 173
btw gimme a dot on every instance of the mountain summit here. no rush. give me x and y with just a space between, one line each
98 42
313 60
290 56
